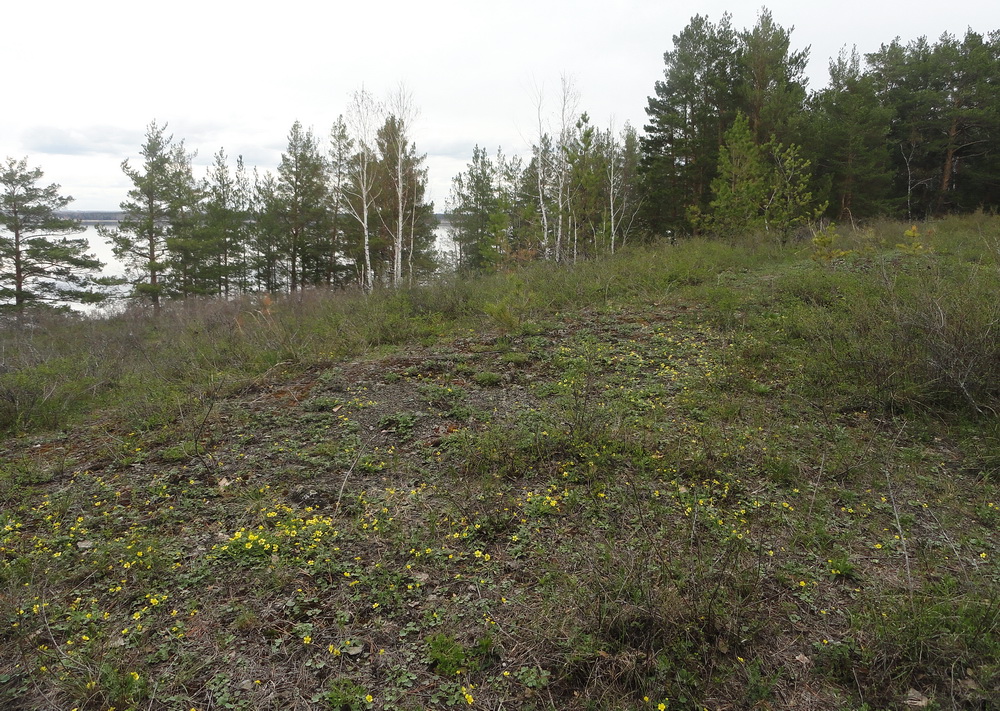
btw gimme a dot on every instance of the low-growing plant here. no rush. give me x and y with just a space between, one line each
487 379
344 694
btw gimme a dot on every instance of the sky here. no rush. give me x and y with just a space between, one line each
83 80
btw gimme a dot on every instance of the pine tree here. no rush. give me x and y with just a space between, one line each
772 85
945 126
192 252
476 221
740 187
339 165
849 128
226 224
759 188
301 201
39 264
692 107
788 200
267 240
158 207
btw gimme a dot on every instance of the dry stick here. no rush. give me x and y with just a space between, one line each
899 527
815 486
347 474
857 682
902 538
213 395
947 537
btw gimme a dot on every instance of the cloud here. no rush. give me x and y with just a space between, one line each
88 140
457 148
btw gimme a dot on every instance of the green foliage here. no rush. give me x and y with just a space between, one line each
849 128
758 188
740 188
772 84
155 238
445 654
911 243
344 694
908 134
449 658
487 379
823 249
401 423
942 629
693 105
922 338
944 113
299 207
716 471
35 267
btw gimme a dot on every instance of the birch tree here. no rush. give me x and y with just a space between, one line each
553 169
361 190
396 153
623 197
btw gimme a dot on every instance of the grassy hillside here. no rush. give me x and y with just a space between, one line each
699 476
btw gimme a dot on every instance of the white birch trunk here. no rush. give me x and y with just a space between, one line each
363 115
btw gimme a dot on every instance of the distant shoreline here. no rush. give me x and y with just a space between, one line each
93 217
109 217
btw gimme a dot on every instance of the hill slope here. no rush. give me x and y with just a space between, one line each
696 488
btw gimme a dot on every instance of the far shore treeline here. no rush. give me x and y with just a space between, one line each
736 145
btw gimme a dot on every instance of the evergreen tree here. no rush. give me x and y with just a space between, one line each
192 252
692 107
945 123
788 200
339 164
477 224
739 189
849 129
226 224
624 194
421 254
39 264
772 85
588 219
301 202
712 73
268 257
156 209
759 188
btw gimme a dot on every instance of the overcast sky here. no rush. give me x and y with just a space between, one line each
84 79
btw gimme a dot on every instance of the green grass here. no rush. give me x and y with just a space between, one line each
696 476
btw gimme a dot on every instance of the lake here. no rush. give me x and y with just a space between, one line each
102 250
